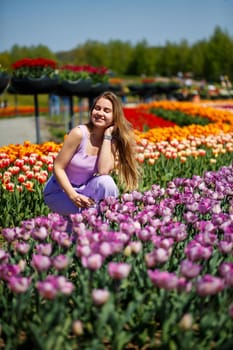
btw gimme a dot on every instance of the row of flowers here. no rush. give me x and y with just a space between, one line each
159 261
11 111
26 166
152 269
221 120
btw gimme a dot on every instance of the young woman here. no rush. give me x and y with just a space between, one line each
89 154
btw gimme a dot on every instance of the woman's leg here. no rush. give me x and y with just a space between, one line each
100 187
57 200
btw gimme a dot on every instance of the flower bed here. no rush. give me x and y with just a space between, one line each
153 270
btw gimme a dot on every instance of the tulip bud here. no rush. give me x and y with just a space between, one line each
186 322
77 327
127 251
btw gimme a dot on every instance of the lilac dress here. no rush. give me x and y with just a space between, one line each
81 172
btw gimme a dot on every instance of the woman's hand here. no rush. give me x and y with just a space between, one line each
108 131
82 201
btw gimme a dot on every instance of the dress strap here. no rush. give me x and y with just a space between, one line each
82 146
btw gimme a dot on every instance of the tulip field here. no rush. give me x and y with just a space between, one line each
152 269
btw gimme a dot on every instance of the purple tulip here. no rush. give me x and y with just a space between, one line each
136 246
64 286
161 255
150 260
118 271
163 279
207 238
19 284
144 234
44 249
9 234
105 249
209 285
189 269
226 271
40 233
28 225
22 247
93 261
83 250
204 205
175 230
190 217
52 285
225 247
60 262
76 218
63 239
9 270
40 262
47 289
4 257
196 251
184 285
100 296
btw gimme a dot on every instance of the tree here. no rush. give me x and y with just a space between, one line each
218 56
143 60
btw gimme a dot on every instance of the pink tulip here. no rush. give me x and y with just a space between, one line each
196 251
161 255
40 233
9 270
44 249
225 247
47 289
60 262
19 284
83 250
100 296
150 260
189 269
64 286
118 270
22 247
136 246
4 257
209 285
163 279
94 262
41 262
9 234
105 249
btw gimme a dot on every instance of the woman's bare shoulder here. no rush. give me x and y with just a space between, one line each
74 136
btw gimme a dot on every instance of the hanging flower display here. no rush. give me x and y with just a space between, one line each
82 80
73 73
34 68
34 76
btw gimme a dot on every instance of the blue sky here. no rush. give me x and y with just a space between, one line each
64 24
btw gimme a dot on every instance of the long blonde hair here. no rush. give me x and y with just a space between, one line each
126 165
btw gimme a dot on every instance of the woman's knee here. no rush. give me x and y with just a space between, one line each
105 181
103 186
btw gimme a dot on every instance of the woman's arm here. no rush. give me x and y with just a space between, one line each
71 143
107 153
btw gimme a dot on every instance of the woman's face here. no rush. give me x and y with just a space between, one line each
102 113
